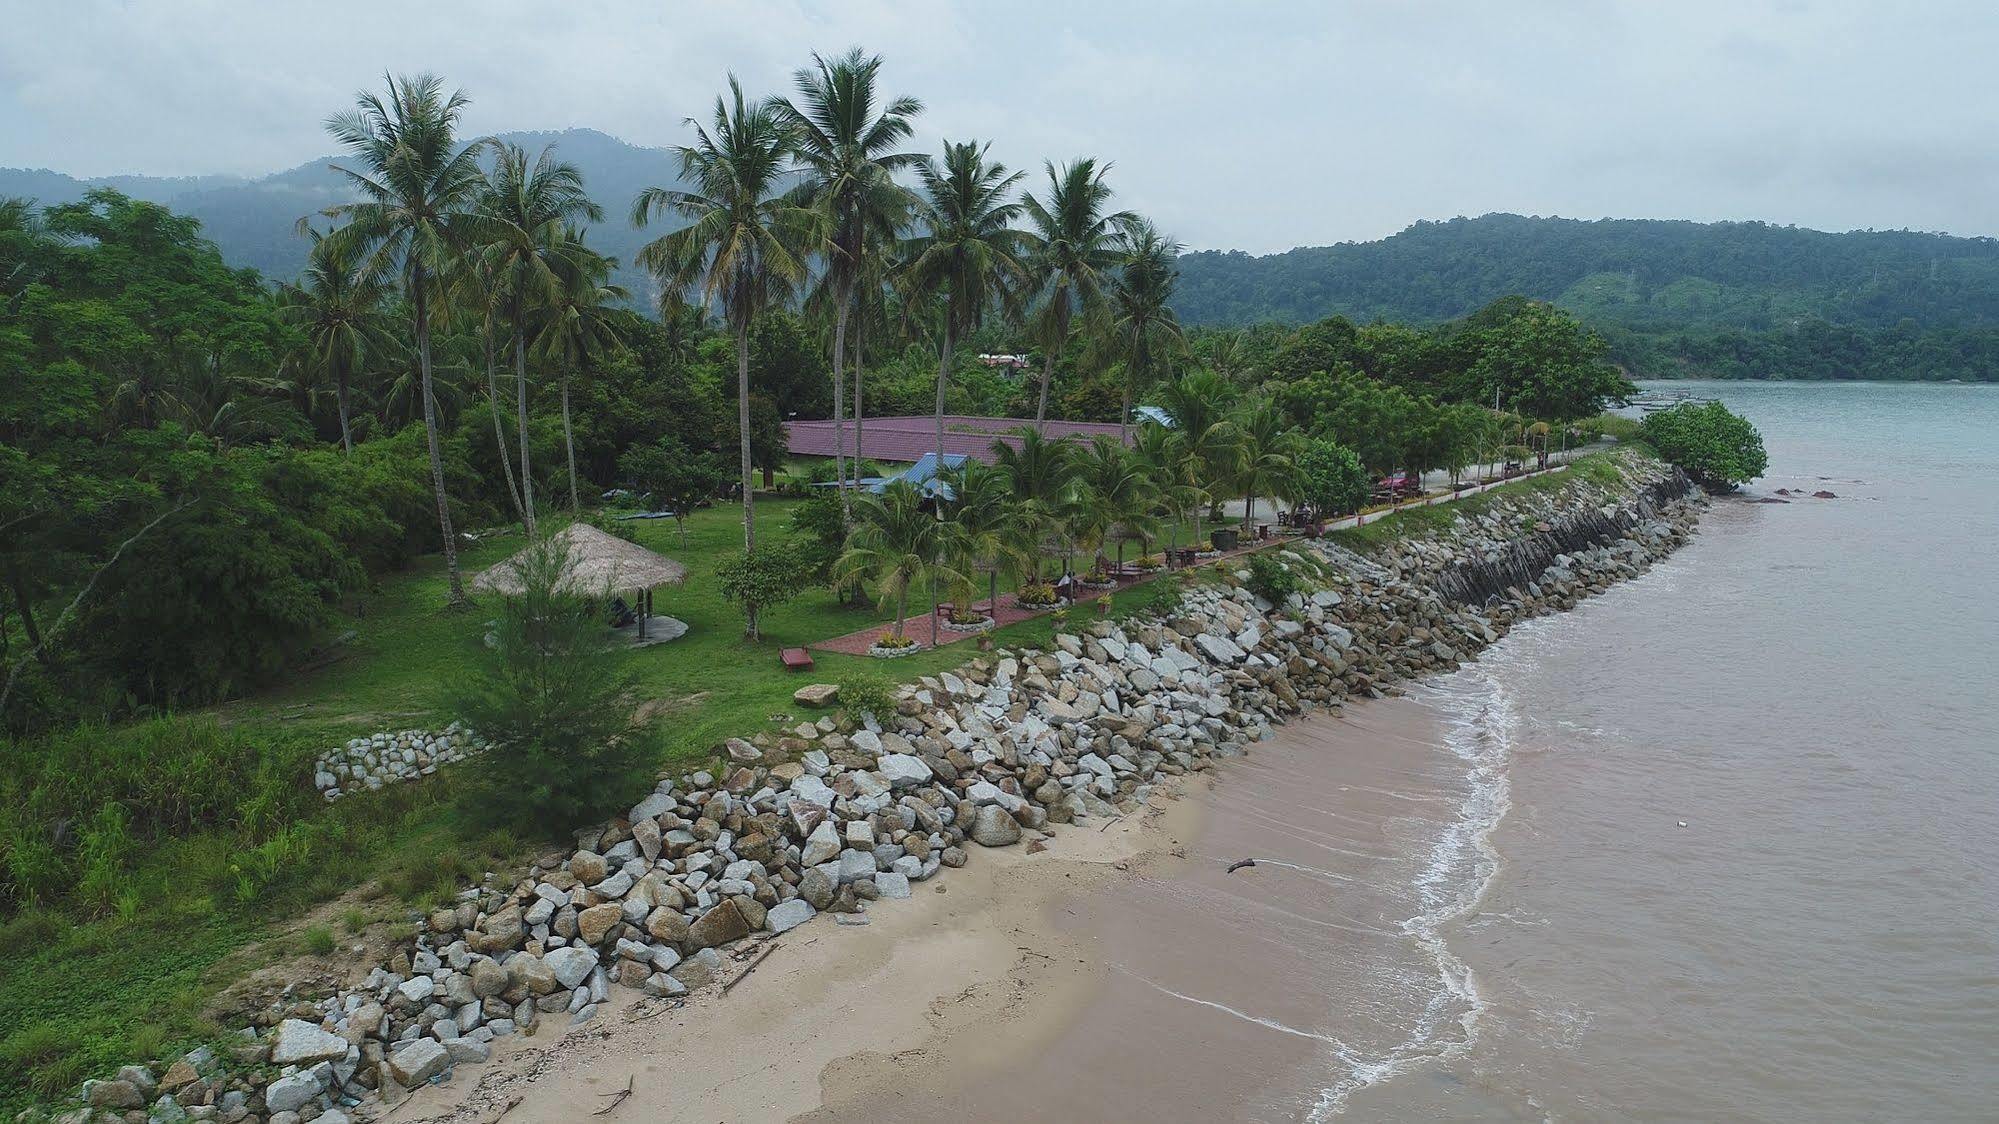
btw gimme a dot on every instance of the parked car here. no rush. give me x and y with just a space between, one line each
1399 484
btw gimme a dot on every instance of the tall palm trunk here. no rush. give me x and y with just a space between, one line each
569 445
901 609
860 352
843 297
521 418
1048 365
943 383
340 397
499 434
421 304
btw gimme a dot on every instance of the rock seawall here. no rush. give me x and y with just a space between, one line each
843 814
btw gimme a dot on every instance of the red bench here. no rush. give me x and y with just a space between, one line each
795 659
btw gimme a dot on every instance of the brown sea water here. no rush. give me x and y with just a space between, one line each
1811 690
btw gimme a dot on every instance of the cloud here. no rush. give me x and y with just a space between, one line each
1254 126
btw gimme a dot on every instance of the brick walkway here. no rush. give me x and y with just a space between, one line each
918 624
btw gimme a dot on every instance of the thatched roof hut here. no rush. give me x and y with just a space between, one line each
598 564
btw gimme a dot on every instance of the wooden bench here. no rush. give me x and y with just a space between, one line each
795 659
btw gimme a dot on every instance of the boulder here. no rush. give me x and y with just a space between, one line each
719 926
817 695
667 926
419 1061
289 1094
122 1094
995 827
571 965
301 1043
596 923
489 978
786 916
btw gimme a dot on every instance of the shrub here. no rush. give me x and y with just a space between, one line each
318 940
563 742
1719 449
1270 579
1035 593
771 576
868 696
1330 477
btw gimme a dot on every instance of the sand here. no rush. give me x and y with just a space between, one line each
926 983
1123 972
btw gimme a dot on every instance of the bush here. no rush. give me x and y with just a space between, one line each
868 696
563 743
771 576
1271 579
1719 449
1330 477
318 940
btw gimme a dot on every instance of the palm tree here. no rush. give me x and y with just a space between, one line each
1227 354
982 531
530 255
1204 437
1042 475
474 289
1156 448
338 305
740 249
577 325
1266 443
1071 242
1119 494
1140 327
894 543
968 252
419 193
849 153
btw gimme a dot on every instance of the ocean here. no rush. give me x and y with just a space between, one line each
1726 839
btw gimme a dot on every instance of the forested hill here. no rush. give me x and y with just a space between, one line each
1730 299
252 221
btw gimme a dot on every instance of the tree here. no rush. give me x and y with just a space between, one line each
578 325
533 257
565 740
762 578
741 248
338 304
1205 439
1538 361
1042 475
1264 463
675 477
1140 327
1070 243
850 155
1330 477
419 194
982 530
1719 449
1118 495
895 542
968 252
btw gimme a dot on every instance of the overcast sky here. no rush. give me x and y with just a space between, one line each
1250 126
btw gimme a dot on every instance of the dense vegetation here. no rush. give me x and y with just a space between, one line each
1719 449
1734 300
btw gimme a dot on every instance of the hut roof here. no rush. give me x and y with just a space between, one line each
598 563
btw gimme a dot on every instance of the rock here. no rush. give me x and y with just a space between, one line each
589 867
122 1094
571 965
903 770
488 978
596 923
417 989
420 1060
140 1077
698 970
720 925
892 885
786 916
823 844
504 930
289 1094
667 926
301 1043
465 1050
741 751
995 827
817 695
815 888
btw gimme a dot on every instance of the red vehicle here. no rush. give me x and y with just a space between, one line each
1399 484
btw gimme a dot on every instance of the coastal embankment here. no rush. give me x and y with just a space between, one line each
677 954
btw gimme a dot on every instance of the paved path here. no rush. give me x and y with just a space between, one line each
919 625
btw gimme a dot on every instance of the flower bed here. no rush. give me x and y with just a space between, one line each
975 624
894 647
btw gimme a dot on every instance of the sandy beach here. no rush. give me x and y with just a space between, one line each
1122 972
971 968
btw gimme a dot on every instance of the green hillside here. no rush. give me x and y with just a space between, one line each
1730 299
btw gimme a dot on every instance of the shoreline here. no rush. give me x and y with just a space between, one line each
657 917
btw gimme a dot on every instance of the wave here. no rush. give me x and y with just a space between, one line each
1480 722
